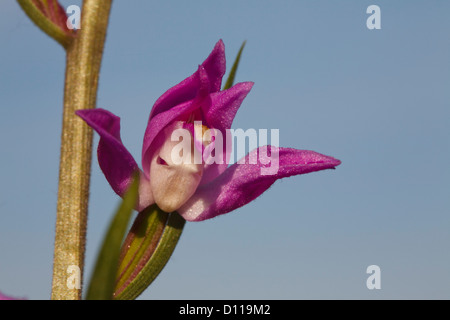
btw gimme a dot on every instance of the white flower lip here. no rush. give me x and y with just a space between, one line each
173 183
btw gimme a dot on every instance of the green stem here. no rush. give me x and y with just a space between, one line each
83 62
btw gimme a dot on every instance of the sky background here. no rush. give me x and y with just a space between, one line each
378 100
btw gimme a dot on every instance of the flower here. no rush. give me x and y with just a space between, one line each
4 297
197 190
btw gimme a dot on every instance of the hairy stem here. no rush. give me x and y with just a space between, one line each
83 62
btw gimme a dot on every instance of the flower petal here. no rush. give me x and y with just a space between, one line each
242 183
187 89
117 164
155 126
225 104
5 297
220 115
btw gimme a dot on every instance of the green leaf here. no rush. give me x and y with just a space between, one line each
233 70
103 279
153 261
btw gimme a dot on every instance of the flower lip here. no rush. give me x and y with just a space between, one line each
174 178
161 161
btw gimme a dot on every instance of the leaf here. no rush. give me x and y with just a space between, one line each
103 279
233 70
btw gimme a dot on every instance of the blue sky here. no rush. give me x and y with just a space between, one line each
378 100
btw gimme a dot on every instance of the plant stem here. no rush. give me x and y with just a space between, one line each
83 60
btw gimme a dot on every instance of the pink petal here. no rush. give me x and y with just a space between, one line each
5 297
220 115
187 89
117 164
242 183
156 124
225 104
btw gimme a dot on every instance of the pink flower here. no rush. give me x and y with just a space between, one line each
197 190
4 297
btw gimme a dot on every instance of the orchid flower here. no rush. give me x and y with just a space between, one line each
197 190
